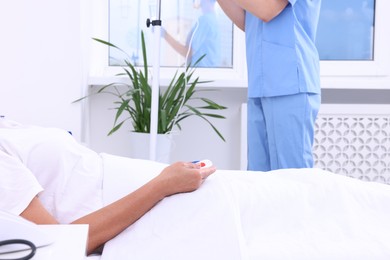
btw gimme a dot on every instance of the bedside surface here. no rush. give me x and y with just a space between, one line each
70 242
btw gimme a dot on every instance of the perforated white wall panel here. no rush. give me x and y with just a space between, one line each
354 140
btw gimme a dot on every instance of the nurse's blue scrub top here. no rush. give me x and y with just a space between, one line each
281 55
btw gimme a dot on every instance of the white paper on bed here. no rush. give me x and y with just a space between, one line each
285 214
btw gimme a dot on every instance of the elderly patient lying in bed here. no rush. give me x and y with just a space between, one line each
47 177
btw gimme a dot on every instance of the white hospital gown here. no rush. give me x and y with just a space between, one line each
17 186
69 173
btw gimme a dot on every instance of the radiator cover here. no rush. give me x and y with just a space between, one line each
354 140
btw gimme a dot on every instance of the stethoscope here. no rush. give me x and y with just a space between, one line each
28 243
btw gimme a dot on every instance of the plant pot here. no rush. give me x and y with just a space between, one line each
140 146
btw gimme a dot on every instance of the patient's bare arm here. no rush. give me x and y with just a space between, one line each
36 213
109 221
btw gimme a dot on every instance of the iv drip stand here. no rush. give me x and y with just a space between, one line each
156 81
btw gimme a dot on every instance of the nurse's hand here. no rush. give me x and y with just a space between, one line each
182 177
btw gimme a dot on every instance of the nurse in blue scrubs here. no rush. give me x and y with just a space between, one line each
284 93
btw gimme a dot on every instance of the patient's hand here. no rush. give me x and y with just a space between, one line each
182 177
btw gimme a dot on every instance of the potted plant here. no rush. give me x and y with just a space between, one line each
133 100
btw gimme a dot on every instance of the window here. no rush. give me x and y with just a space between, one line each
352 40
346 30
199 23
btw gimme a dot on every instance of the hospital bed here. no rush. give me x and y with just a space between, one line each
293 214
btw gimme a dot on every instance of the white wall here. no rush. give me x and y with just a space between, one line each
40 62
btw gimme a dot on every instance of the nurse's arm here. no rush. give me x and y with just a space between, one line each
234 12
180 48
266 10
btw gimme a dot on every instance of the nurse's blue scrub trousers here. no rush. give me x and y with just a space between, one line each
281 131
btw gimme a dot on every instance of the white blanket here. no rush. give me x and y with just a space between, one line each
285 214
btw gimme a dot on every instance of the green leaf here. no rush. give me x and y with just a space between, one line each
133 101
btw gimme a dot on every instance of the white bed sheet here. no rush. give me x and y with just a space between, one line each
285 214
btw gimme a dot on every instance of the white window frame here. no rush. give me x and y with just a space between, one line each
334 74
100 73
373 74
